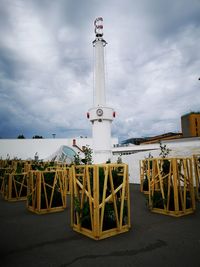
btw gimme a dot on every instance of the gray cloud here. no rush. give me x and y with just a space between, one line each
46 65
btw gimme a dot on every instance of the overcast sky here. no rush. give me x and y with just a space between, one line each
46 65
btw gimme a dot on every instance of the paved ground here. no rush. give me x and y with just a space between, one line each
155 240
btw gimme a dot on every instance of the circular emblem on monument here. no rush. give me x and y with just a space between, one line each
99 112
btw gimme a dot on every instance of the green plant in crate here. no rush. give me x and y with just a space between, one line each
109 219
57 197
77 159
40 166
119 160
84 213
20 185
101 183
145 184
77 206
157 200
117 181
117 178
85 216
30 199
88 155
147 164
32 183
164 153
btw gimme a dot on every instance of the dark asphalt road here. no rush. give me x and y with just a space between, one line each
27 239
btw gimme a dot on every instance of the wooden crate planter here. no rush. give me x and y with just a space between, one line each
47 191
196 161
15 186
171 190
145 175
100 200
4 172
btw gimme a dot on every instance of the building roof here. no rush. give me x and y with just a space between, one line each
153 139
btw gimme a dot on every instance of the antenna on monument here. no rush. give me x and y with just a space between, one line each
98 24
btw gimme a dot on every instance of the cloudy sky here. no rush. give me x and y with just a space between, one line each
46 65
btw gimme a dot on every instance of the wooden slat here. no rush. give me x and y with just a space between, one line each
114 199
96 201
90 198
103 202
196 162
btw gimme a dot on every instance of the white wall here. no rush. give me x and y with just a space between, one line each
181 148
26 148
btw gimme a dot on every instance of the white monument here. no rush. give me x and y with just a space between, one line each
100 115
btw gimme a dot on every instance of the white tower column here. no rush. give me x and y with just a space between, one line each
100 115
99 74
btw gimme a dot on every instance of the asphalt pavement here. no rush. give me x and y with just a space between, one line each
28 239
